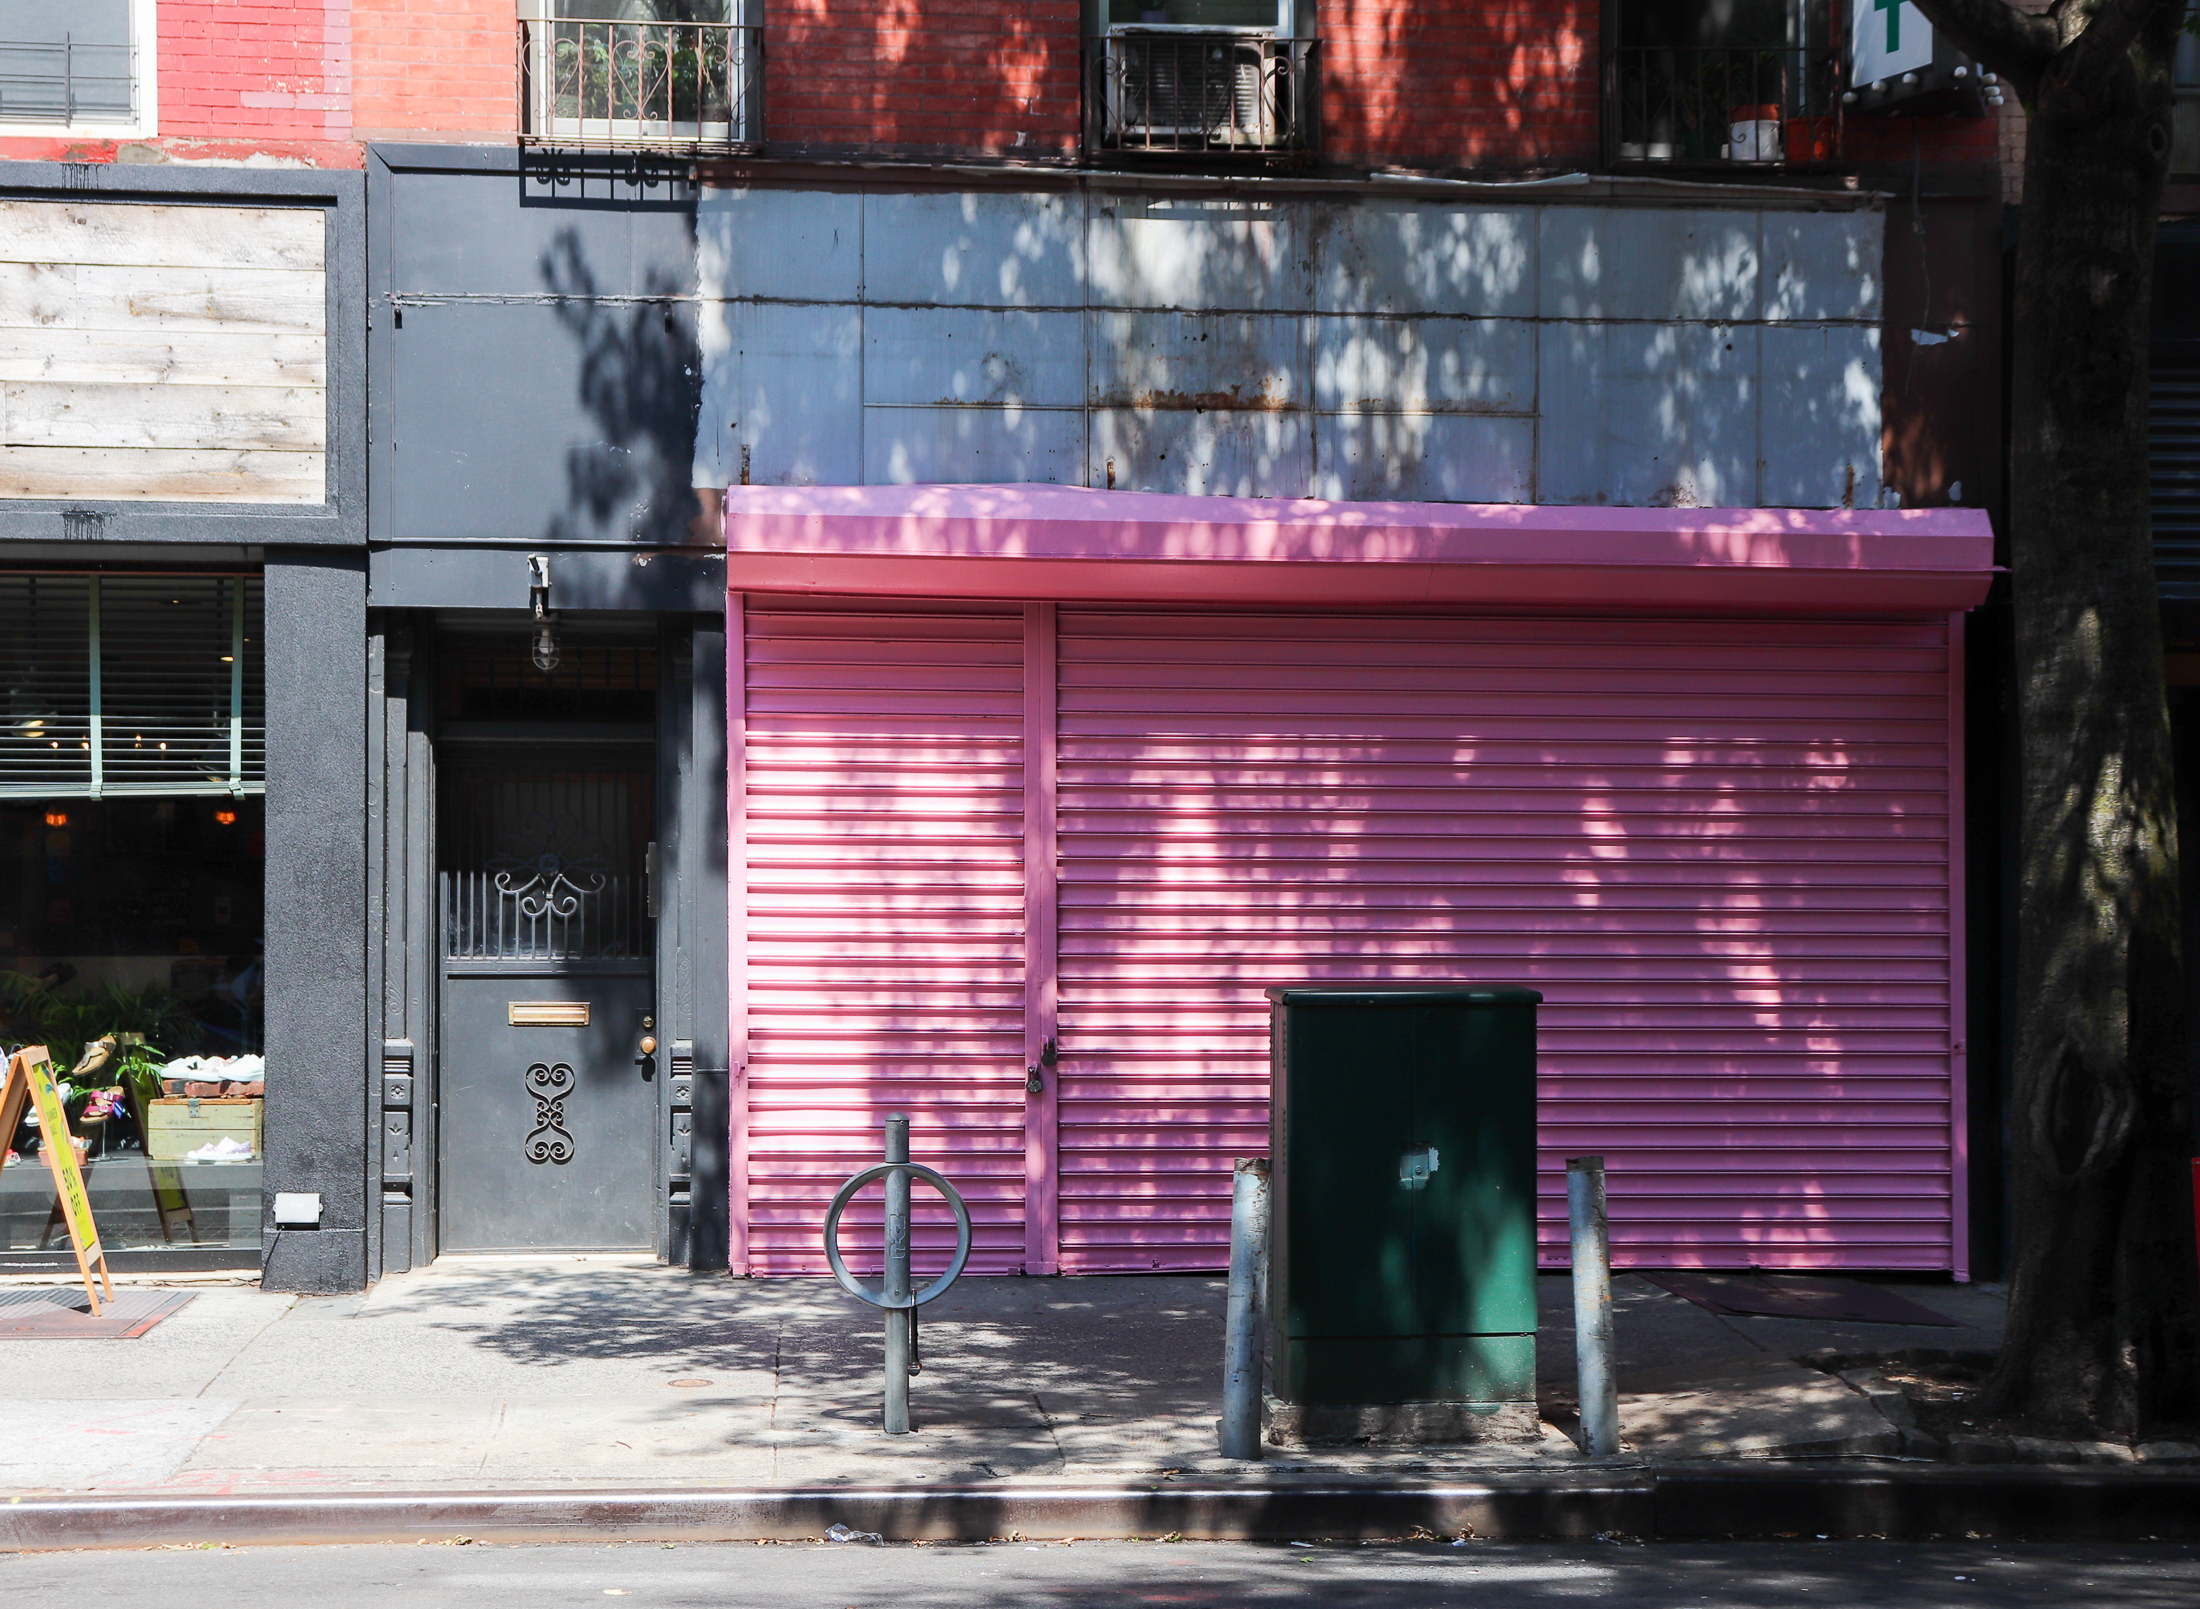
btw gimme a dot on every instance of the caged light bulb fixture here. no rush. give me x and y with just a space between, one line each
546 618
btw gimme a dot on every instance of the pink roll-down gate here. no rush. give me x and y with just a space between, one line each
1021 765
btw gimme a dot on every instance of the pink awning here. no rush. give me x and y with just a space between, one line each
1070 544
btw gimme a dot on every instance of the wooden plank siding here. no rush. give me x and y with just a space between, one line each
163 353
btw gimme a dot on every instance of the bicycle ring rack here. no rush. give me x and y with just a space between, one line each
899 1302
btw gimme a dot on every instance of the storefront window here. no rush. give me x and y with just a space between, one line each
131 904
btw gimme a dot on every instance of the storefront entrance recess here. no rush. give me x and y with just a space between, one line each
549 1064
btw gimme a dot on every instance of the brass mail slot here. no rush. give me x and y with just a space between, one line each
547 1013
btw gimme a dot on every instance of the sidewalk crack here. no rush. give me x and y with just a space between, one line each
779 1349
496 1429
245 1346
1061 1458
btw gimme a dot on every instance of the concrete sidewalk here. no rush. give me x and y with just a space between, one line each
604 1373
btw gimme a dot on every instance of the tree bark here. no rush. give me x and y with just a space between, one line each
2104 1321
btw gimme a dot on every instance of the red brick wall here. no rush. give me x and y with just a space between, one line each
235 69
996 76
435 69
1433 83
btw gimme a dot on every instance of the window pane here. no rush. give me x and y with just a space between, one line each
138 917
64 63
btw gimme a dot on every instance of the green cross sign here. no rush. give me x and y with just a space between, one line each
1893 9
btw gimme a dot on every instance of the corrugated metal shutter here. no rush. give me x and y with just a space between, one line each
1719 847
132 684
2173 452
883 822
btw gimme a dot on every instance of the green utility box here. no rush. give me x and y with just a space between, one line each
1401 1294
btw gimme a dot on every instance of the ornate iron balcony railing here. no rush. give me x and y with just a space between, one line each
1712 104
641 85
1200 91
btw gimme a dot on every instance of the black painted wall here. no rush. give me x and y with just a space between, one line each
317 914
536 376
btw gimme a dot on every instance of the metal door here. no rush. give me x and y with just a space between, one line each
548 1101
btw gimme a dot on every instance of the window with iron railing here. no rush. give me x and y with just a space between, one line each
1715 82
75 67
633 74
1204 78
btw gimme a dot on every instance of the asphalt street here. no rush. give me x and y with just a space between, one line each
860 1576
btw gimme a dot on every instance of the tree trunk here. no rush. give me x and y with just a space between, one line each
2104 1323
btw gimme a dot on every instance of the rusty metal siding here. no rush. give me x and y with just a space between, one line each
1721 849
1282 347
883 794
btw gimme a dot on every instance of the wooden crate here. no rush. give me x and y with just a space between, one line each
180 1124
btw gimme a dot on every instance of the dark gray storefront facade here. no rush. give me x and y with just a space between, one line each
544 1081
529 367
308 551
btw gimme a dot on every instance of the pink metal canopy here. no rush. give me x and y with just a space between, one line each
1069 544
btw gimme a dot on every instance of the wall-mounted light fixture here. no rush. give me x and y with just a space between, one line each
227 818
57 818
546 618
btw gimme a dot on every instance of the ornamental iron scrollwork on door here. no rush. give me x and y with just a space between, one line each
545 865
548 866
548 1141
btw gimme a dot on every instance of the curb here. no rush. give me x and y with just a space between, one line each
1560 1507
1670 1504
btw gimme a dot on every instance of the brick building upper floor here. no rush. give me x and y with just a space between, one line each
1701 88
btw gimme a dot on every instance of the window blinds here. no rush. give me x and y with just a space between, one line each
131 685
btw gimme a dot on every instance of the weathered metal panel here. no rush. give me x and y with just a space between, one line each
1202 339
1645 263
953 355
1424 365
1649 414
1824 265
882 835
794 245
1424 457
1196 254
1406 257
1233 454
1198 361
908 446
782 395
1818 423
1720 849
975 249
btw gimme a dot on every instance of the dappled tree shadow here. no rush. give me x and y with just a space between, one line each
640 382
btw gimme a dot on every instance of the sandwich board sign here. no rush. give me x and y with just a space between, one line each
1887 38
30 1080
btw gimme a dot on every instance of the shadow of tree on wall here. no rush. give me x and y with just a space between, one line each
640 382
1460 86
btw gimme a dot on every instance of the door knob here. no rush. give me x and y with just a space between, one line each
648 1046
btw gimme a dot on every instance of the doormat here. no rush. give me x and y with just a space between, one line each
1797 1296
61 1314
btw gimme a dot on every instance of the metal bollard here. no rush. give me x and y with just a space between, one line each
900 1320
1241 1337
1597 1386
895 1295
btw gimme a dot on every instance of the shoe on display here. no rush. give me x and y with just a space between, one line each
226 1149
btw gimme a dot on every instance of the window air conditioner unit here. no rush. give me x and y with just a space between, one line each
1180 86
